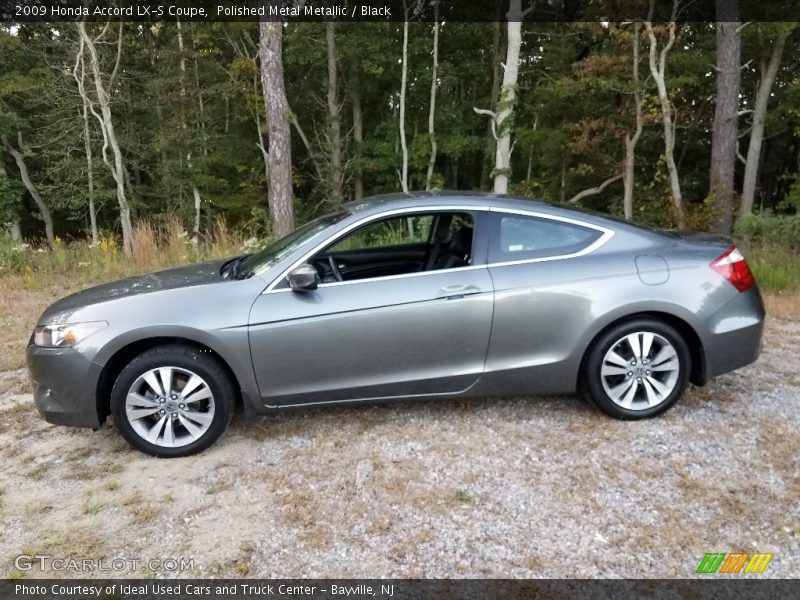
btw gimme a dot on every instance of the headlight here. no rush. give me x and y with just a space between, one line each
67 335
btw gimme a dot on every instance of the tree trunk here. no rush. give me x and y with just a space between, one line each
117 168
334 114
280 143
768 76
88 149
507 99
490 144
631 140
197 200
403 77
87 142
358 134
658 68
89 173
260 130
32 190
432 110
725 131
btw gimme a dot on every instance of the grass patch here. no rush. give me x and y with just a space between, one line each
38 472
144 514
243 565
776 269
462 496
92 508
112 485
219 486
83 472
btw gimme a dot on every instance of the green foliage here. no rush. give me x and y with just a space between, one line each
190 120
776 268
771 244
10 195
769 230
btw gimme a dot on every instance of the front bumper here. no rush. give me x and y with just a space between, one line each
64 386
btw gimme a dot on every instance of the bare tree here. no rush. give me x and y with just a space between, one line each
501 119
632 140
105 119
198 202
595 190
358 133
19 158
658 68
280 143
334 115
725 132
769 71
79 74
490 143
403 78
432 109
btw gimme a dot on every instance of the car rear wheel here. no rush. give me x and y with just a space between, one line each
172 401
637 369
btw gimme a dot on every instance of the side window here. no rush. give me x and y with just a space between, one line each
519 237
396 231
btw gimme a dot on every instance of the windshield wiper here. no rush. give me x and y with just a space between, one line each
230 270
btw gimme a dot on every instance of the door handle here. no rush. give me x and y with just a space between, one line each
453 292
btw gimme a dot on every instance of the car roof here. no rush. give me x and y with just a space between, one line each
383 202
443 198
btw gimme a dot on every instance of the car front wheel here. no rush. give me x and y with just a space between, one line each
172 401
637 369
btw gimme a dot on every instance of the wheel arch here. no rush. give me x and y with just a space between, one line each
125 354
697 374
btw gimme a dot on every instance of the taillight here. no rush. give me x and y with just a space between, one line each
732 266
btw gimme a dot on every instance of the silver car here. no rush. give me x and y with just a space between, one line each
402 297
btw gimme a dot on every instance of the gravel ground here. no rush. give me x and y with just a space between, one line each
525 487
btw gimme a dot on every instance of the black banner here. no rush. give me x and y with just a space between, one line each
387 10
739 587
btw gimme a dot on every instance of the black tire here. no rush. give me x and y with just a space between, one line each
201 363
592 381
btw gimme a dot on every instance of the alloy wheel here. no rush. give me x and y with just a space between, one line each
640 370
170 406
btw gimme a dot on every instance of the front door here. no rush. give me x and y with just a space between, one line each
423 332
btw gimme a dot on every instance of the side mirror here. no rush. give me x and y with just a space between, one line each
303 278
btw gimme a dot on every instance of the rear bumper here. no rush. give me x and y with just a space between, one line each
64 386
734 334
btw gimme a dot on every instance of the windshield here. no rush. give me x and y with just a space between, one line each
272 254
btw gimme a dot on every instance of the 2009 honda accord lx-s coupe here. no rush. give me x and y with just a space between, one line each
401 297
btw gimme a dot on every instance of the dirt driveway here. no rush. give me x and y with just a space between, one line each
527 487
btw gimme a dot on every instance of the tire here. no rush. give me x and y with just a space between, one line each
629 385
176 425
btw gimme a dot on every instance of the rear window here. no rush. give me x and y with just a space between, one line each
519 237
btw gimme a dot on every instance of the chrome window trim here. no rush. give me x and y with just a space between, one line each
606 235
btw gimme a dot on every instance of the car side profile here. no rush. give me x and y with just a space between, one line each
402 297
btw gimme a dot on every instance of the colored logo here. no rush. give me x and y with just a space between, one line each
735 562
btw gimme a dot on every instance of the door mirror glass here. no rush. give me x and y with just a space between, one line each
303 278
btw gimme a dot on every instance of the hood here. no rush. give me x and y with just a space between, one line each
179 277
